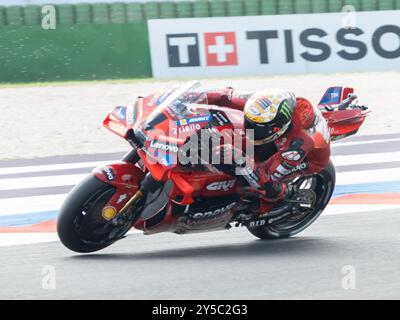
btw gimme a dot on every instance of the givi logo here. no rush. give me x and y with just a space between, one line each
220 48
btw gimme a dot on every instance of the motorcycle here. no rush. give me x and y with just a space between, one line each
151 190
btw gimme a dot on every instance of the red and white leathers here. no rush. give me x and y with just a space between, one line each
303 149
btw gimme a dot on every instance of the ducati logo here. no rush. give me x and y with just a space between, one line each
221 185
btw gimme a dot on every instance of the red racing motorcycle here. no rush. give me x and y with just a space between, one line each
152 189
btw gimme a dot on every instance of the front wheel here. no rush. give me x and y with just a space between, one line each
287 224
80 225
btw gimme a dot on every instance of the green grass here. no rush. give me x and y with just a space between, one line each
72 82
116 81
183 79
124 81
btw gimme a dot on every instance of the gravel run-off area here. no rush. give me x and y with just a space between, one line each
59 119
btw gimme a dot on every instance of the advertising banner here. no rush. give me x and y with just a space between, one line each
280 44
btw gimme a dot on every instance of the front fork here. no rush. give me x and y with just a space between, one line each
146 185
131 184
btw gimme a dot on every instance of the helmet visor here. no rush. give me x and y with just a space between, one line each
264 133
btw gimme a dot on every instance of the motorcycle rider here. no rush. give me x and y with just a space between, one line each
291 137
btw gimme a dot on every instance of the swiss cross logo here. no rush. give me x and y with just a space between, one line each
220 48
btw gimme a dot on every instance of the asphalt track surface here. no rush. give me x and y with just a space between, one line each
343 256
220 265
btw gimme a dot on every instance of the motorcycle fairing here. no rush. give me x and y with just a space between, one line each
344 123
125 177
155 201
341 123
335 95
214 216
206 214
116 121
166 122
187 189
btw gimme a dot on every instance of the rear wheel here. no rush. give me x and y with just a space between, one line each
80 225
320 187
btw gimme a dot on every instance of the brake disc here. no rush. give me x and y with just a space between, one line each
304 198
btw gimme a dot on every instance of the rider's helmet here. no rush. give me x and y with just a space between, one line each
269 114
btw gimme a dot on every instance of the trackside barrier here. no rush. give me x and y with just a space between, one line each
74 52
121 12
276 44
109 40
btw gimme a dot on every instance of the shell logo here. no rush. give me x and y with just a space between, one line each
109 213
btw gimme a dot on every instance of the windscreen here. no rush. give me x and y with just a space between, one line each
178 103
179 115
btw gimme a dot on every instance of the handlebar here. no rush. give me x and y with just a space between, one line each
345 104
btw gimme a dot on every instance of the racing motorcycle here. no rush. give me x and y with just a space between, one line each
151 190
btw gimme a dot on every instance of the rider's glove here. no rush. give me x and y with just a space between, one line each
274 191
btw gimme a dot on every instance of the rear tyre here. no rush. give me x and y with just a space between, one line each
80 225
288 224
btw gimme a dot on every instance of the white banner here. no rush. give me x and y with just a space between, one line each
280 44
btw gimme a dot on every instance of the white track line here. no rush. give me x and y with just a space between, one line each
383 157
54 167
334 209
38 182
37 204
368 176
352 143
34 204
350 177
14 239
62 166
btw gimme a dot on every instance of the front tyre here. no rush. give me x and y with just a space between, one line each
80 225
288 224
